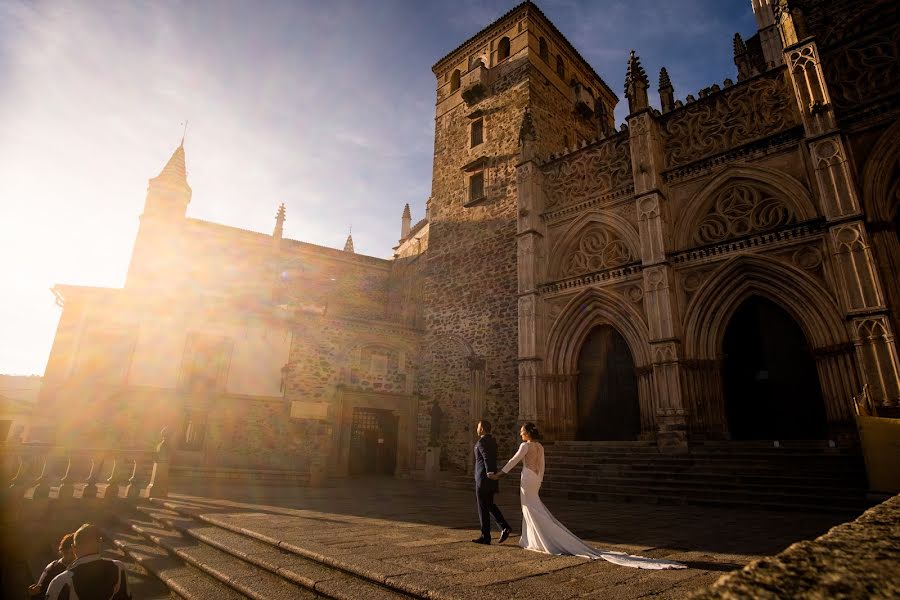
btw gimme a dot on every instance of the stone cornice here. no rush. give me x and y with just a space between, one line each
590 278
712 252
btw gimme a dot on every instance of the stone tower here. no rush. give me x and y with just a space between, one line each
519 62
157 247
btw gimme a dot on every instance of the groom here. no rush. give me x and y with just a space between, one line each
485 487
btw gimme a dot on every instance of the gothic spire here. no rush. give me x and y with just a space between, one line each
348 245
279 222
168 194
636 84
175 171
405 223
739 46
666 91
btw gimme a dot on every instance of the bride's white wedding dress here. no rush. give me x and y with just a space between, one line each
541 531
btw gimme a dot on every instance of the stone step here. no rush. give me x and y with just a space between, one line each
710 457
701 494
706 482
773 477
326 580
242 577
181 579
676 500
760 468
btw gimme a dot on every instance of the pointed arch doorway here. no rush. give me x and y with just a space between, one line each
771 384
608 405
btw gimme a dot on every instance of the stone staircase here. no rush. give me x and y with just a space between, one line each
793 476
198 559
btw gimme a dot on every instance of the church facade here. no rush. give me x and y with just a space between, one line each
726 266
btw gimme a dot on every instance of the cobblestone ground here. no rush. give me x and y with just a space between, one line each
418 536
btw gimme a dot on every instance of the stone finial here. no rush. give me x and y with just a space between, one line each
636 84
739 46
666 91
279 222
348 245
405 223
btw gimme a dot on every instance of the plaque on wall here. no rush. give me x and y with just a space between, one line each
309 410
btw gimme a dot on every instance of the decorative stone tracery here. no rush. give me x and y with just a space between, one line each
741 209
598 249
589 173
728 119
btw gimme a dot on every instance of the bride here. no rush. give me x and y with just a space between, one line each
541 531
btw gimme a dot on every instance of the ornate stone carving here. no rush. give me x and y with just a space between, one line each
741 209
827 153
807 258
589 173
739 115
598 248
848 238
634 293
648 207
865 70
693 280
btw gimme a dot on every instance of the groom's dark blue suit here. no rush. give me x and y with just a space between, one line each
485 487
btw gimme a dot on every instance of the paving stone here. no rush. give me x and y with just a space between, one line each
419 541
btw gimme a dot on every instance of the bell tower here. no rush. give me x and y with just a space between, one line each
520 63
156 259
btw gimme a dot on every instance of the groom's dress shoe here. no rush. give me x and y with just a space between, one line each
486 542
504 535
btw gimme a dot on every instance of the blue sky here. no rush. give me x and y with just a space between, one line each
325 106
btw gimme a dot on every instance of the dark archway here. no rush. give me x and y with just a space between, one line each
608 406
772 389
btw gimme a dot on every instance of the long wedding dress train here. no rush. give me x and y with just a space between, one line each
541 531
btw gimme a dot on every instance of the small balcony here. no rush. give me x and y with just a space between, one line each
584 102
474 84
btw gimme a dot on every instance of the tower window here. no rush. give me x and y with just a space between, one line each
454 81
560 67
503 49
477 133
543 50
476 186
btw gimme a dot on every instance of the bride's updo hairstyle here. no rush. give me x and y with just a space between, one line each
532 431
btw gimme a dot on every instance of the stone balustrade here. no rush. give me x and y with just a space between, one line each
41 471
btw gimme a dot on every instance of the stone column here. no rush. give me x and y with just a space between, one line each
530 236
670 416
860 289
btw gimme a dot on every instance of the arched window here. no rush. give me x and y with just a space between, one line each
503 49
560 67
454 81
544 51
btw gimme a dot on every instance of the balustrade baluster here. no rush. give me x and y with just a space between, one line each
90 489
112 483
41 484
159 478
133 490
66 489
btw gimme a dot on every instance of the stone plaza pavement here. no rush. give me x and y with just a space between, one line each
416 537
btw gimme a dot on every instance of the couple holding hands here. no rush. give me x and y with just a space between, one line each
541 532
